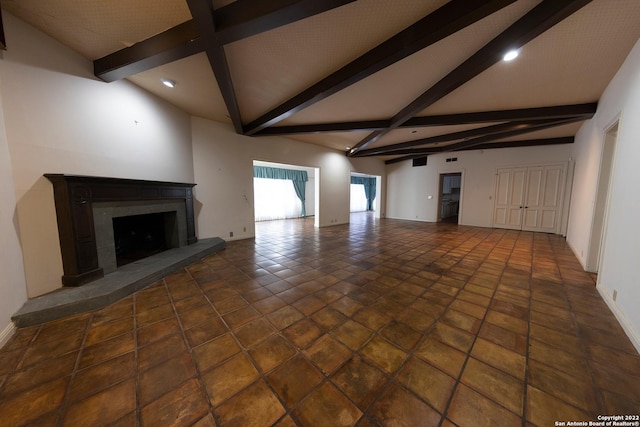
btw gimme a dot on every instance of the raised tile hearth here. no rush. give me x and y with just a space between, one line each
114 286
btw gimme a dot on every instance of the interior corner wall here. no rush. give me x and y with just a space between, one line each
223 163
13 291
409 188
618 268
61 119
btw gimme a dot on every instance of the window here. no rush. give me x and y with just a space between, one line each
358 198
275 199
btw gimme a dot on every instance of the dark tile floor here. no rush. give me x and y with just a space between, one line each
387 322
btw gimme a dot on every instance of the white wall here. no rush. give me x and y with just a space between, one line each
408 187
12 282
618 269
60 119
223 171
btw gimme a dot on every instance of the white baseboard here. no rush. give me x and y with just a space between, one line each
631 332
7 333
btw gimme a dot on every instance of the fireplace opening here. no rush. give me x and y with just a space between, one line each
141 236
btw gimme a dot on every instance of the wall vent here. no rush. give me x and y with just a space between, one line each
420 161
452 159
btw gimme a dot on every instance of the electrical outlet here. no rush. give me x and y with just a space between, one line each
615 295
231 234
244 229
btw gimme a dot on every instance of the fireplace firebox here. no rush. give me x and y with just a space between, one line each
139 236
90 213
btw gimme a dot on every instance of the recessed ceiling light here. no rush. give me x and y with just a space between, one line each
168 82
511 55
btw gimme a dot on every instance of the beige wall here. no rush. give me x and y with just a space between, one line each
12 282
223 163
618 269
410 187
60 119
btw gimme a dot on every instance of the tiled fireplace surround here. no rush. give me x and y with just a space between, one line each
103 214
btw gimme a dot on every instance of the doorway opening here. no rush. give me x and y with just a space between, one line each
449 197
285 192
602 199
364 194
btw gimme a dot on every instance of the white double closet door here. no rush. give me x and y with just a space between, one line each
529 198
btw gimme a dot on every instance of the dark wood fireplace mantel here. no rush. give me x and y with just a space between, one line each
74 197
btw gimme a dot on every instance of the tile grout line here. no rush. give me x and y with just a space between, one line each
23 353
326 378
585 353
289 411
393 378
458 380
245 352
525 383
198 373
62 409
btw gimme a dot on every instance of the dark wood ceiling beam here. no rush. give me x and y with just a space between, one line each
438 139
494 145
545 124
246 18
202 12
443 22
522 143
542 17
554 112
176 43
493 131
560 111
362 126
514 129
237 20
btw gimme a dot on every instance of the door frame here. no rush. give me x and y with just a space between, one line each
441 176
598 228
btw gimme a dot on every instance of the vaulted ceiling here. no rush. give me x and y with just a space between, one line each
396 79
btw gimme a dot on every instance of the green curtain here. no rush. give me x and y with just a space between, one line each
298 178
278 173
299 186
369 188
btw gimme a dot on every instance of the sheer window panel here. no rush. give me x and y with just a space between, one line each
275 199
358 198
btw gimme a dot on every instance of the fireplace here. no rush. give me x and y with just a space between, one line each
104 223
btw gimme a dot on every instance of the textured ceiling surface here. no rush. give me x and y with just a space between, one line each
96 28
569 63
